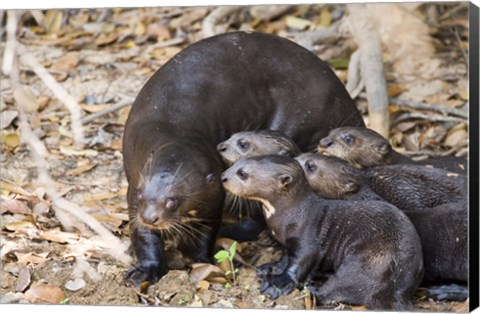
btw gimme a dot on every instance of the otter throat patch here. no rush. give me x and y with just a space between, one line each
268 209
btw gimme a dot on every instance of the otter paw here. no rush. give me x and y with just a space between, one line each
264 269
276 285
138 276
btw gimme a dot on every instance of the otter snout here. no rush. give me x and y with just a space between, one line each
222 147
150 215
325 142
224 178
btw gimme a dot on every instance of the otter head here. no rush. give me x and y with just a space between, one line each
177 186
265 178
329 176
256 143
361 147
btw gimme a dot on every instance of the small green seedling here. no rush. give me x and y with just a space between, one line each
224 255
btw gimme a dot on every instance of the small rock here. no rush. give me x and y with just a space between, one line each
75 284
281 307
223 304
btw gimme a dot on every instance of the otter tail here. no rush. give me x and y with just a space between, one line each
451 292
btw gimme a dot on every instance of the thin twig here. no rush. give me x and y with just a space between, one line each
167 43
122 103
39 154
9 53
29 60
434 107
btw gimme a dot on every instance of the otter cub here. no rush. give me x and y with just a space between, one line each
365 148
256 143
442 229
371 247
408 187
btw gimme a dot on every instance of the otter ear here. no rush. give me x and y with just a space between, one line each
351 187
284 152
384 148
284 180
210 178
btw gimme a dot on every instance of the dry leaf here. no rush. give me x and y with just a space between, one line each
19 226
100 197
95 108
297 23
395 89
31 258
456 137
226 243
203 285
27 98
43 293
53 21
55 235
325 18
12 140
70 151
67 62
80 170
203 271
24 279
7 117
14 206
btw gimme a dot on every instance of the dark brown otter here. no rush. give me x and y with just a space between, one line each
442 229
365 148
371 248
256 143
210 90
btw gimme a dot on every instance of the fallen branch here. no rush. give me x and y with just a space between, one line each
355 84
429 117
29 60
215 17
434 107
122 103
167 43
319 36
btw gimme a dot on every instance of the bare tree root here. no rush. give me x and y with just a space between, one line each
366 35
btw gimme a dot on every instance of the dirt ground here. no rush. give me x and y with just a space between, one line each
45 261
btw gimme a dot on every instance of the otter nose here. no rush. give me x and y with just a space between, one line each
325 142
224 178
221 147
150 217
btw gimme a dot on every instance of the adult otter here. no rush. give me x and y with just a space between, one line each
371 247
442 229
204 94
365 148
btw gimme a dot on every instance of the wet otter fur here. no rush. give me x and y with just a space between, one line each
371 247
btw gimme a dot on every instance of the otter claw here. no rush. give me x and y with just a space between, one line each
276 285
141 278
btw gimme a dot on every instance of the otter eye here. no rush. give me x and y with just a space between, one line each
170 203
347 139
242 174
310 167
243 144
